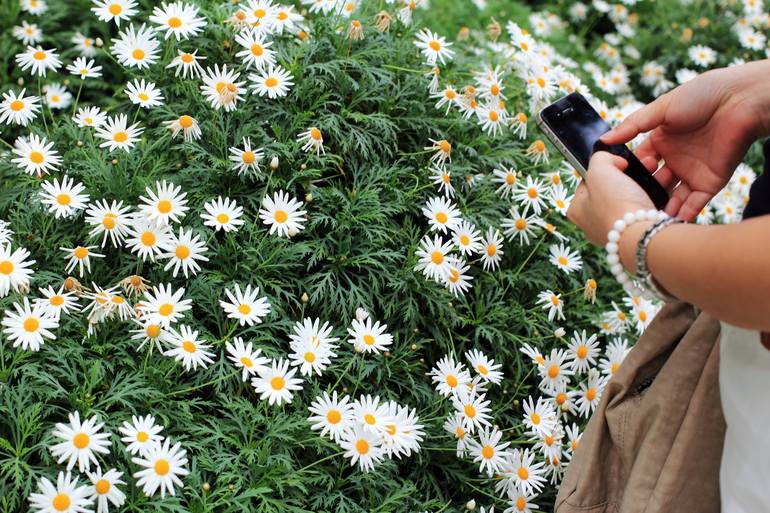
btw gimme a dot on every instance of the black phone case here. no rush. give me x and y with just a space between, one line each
637 172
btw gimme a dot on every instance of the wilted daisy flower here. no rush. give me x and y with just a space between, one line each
473 409
275 82
84 68
245 357
442 177
162 467
245 306
449 376
221 87
136 47
485 367
80 257
178 19
29 325
276 382
183 251
144 94
564 259
36 155
57 97
18 109
282 214
369 338
590 393
28 33
551 301
66 496
334 417
83 45
454 425
90 117
538 152
186 63
167 205
443 150
312 140
105 490
114 10
108 219
458 281
141 434
362 447
433 47
188 125
80 442
702 55
492 252
434 257
15 269
223 214
117 134
442 214
186 348
64 199
257 51
57 301
489 451
147 239
164 306
583 351
38 60
246 159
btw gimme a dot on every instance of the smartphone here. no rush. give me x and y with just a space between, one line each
574 127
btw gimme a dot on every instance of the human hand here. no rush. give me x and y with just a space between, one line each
606 195
701 130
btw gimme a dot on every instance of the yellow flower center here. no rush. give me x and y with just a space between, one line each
148 239
591 394
451 380
39 55
553 371
102 486
138 54
244 309
333 416
582 352
535 418
482 370
521 503
257 50
470 411
174 22
248 157
614 368
487 451
437 257
162 467
223 218
166 309
277 383
441 217
152 331
115 9
143 97
362 446
61 502
36 157
444 146
31 324
246 361
523 473
368 340
81 440
260 13
280 216
309 357
563 260
271 82
6 267
315 134
17 105
185 121
491 250
369 419
435 46
80 253
182 252
164 206
63 199
187 58
460 432
56 300
120 137
189 346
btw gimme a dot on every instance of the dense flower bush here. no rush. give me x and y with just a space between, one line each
312 257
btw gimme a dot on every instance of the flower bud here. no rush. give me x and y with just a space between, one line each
470 505
274 163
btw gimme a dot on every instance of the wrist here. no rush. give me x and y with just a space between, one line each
757 94
629 240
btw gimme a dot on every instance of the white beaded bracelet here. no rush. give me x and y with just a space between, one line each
613 259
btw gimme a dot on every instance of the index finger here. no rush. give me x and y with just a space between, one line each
645 119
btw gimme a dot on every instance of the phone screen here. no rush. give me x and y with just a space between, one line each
577 126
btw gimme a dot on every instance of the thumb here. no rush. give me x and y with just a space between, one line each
601 161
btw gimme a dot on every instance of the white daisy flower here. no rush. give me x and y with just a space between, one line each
310 330
56 302
167 205
590 393
282 213
556 369
564 259
221 87
109 220
80 442
84 44
257 52
276 82
84 68
369 338
245 306
467 238
443 151
539 418
28 33
164 306
36 155
137 48
435 260
149 333
186 348
28 326
64 199
489 451
15 269
144 94
442 177
449 376
118 135
67 496
492 252
105 491
80 257
455 426
246 159
362 447
442 214
245 357
702 56
276 382
485 367
178 19
551 301
141 434
583 351
312 140
147 239
520 225
524 474
334 417
433 47
403 432
184 251
458 280
18 109
90 117
473 409
163 465
186 63
222 214
188 125
310 357
114 10
506 177
57 97
38 61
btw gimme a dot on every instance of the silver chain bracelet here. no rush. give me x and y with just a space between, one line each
643 274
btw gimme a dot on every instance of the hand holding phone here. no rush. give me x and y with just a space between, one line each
574 127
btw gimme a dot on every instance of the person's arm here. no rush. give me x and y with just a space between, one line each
724 269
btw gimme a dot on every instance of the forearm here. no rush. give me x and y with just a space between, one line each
725 269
